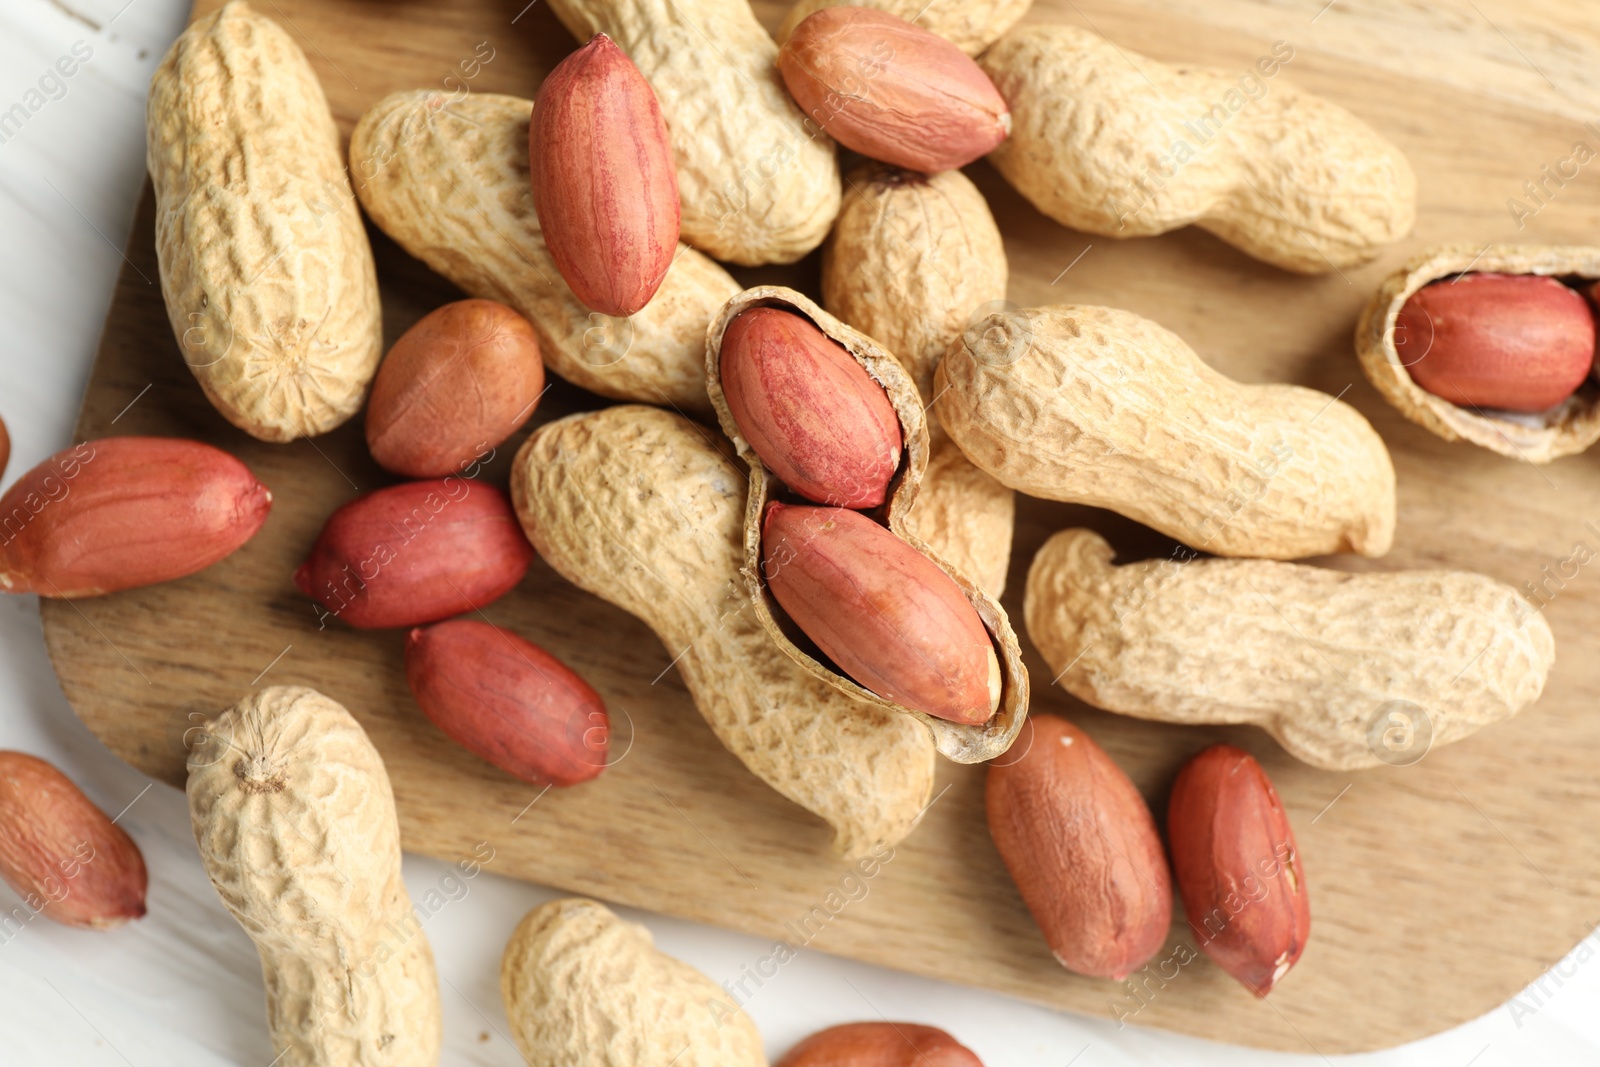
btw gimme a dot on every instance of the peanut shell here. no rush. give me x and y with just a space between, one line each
963 744
970 25
1318 658
640 507
265 267
1568 428
449 182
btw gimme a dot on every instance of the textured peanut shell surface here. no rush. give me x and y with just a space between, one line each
1320 659
962 743
294 816
1570 427
759 182
971 25
583 987
1099 406
911 260
448 180
1107 141
265 267
640 507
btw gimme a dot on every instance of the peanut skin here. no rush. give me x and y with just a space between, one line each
884 612
1517 342
603 180
1082 847
811 412
881 1044
1238 870
415 553
124 512
62 855
463 379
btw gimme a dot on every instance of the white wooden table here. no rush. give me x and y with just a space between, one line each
182 987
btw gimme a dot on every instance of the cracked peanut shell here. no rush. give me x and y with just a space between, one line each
970 25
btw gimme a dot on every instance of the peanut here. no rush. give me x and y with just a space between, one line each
508 701
415 553
265 267
891 90
5 448
450 183
965 742
1416 365
1099 406
1101 143
885 614
1182 640
971 25
882 1044
1238 871
1081 845
123 512
603 183
294 816
582 986
810 411
463 379
64 858
911 258
639 507
759 184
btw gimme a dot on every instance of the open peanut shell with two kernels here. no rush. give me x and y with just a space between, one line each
955 741
1567 428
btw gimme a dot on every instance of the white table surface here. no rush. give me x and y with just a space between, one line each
182 987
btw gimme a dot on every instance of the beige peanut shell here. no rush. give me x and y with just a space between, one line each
265 266
1099 406
1113 143
1568 428
758 181
911 260
584 988
1318 658
641 508
961 743
294 816
448 180
971 25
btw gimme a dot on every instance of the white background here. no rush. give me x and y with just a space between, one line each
182 988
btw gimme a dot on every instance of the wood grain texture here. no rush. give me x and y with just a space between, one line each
1438 889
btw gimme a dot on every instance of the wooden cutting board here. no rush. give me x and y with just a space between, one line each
1439 889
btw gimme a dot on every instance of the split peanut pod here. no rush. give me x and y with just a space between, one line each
639 507
758 182
294 816
970 25
1098 406
964 742
1570 426
449 182
1113 143
265 267
911 258
583 988
1435 654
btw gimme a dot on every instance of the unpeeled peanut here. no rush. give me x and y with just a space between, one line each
971 25
460 381
1238 870
1081 845
415 553
885 613
123 512
603 180
811 412
881 1044
891 90
1516 342
61 854
507 700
